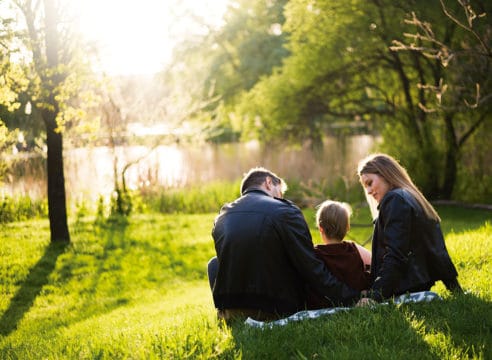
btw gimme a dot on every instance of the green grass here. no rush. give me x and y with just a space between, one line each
139 291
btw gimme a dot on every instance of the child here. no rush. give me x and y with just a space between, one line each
348 261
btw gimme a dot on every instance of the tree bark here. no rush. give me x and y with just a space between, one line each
452 150
449 174
56 181
56 178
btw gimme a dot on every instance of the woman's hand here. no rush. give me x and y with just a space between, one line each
365 302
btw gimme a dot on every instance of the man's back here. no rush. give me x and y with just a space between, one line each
252 240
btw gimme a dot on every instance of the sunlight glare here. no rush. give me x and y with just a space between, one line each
137 37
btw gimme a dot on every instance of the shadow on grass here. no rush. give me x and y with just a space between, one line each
381 333
466 320
96 295
30 288
114 238
115 263
459 219
167 254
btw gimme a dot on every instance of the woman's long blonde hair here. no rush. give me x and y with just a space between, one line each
397 177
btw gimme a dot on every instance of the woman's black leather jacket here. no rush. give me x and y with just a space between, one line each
408 249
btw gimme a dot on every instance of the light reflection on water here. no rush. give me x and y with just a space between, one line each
89 171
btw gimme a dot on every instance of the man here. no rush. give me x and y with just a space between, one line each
265 255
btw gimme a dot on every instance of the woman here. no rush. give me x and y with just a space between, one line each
408 249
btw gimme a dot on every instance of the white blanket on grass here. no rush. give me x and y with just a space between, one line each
422 296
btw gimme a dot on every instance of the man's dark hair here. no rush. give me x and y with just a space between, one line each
257 176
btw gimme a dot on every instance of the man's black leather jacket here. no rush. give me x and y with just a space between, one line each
408 249
266 257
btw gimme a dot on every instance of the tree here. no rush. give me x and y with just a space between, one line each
9 103
13 83
249 46
329 76
464 88
342 67
51 56
215 68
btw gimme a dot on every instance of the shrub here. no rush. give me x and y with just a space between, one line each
21 208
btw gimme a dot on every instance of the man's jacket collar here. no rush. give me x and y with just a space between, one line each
255 190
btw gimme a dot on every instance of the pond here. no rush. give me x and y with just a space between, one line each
89 172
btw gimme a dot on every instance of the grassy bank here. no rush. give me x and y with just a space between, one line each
139 291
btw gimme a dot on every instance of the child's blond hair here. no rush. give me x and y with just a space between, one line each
334 218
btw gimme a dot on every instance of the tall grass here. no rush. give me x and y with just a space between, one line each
138 290
207 197
191 199
21 208
203 198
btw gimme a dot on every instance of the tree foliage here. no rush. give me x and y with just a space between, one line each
344 67
462 94
11 80
212 70
248 46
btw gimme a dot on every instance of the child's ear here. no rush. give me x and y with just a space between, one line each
320 229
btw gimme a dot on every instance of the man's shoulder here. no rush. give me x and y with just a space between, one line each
285 205
286 202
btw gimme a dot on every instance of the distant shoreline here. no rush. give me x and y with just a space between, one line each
462 204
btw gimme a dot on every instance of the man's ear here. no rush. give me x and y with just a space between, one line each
268 183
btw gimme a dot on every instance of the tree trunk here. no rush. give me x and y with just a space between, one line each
451 168
450 171
56 180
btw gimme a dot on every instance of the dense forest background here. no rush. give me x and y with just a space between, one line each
415 73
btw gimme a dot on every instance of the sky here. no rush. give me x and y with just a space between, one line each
137 37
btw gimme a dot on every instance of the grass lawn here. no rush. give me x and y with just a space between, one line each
139 291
